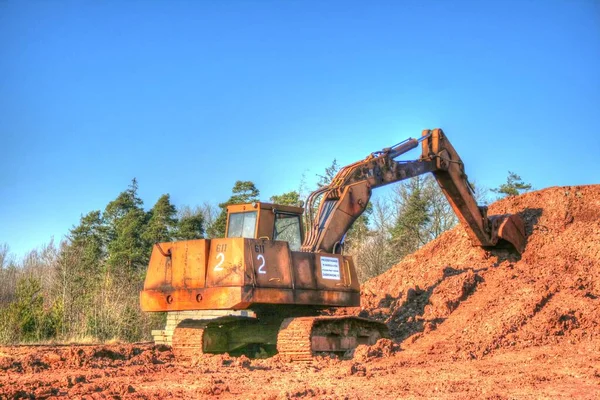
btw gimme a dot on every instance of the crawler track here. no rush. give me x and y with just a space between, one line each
294 338
301 338
298 339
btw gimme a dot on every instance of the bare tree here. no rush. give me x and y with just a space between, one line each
442 216
481 193
210 213
5 256
42 263
9 275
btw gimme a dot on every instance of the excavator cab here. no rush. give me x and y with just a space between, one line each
260 220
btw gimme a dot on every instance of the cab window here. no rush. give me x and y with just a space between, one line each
242 225
287 228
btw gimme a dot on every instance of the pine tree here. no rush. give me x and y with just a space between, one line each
90 237
31 321
242 192
125 202
81 261
162 222
126 222
287 199
190 227
408 231
514 186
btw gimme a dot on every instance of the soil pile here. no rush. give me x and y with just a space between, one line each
450 298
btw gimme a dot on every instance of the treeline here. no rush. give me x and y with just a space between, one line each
87 287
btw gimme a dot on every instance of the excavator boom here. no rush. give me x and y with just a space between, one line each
346 198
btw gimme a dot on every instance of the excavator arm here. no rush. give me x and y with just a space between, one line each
347 196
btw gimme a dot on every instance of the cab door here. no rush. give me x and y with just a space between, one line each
288 227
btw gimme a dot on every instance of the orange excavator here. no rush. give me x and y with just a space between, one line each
262 289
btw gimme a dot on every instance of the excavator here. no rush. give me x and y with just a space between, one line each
264 287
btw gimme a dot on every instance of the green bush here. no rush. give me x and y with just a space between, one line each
26 319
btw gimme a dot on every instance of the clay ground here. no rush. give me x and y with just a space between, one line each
145 372
466 323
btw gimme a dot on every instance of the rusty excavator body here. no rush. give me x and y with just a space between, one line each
262 289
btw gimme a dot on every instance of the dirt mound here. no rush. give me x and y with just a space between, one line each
450 298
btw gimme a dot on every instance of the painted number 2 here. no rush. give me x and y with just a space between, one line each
221 259
261 267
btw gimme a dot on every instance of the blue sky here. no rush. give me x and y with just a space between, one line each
189 97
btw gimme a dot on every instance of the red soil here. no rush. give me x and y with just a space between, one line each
466 323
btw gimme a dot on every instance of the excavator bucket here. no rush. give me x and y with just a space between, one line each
511 229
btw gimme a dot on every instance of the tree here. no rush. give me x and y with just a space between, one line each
413 216
441 215
373 255
90 237
126 222
27 316
191 224
360 227
162 221
80 267
330 173
125 202
480 193
8 275
4 255
242 192
89 286
287 199
514 186
210 213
